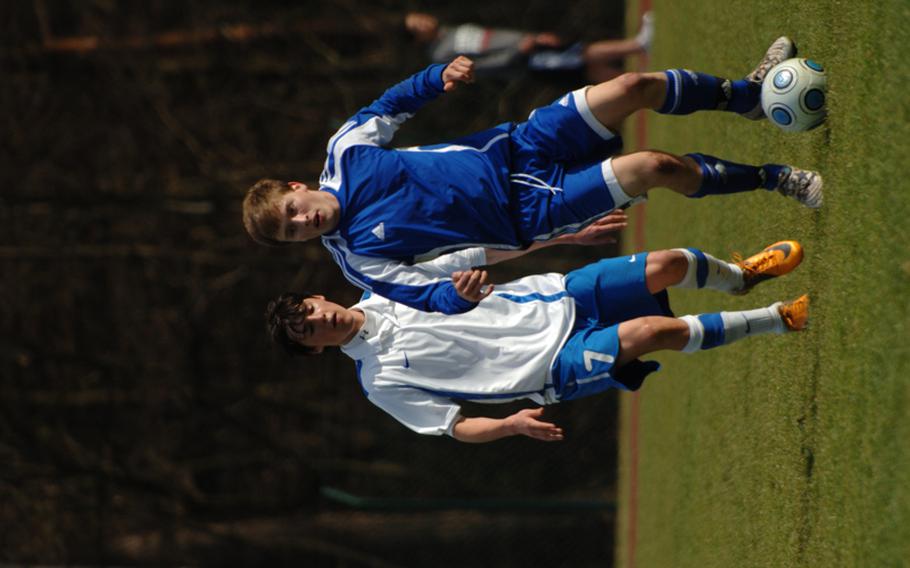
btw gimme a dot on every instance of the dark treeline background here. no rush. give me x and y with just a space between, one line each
145 417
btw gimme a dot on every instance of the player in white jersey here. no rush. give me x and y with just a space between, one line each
503 53
383 211
548 337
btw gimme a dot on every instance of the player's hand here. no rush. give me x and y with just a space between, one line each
472 284
526 422
599 232
460 70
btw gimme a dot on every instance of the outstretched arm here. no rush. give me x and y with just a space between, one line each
524 422
427 413
471 285
376 124
599 232
407 97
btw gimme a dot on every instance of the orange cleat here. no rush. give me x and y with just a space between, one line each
796 313
776 260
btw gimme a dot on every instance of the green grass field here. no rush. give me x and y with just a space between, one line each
794 450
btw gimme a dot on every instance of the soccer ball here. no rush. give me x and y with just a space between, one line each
793 94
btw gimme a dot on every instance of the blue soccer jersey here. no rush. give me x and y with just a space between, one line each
402 206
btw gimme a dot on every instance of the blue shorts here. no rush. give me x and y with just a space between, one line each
558 176
606 293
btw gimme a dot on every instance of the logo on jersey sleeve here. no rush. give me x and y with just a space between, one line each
379 231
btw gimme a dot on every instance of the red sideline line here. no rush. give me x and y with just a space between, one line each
641 135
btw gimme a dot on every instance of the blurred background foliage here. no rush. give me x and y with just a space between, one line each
145 417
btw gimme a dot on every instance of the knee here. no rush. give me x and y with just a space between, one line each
661 166
633 84
647 332
654 332
667 263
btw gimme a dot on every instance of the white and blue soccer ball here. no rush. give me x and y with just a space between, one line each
793 94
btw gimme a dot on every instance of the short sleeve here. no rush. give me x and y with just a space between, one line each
419 410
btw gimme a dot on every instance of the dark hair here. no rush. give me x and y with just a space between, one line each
277 316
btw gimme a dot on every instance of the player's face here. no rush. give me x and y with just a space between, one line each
323 323
424 27
305 214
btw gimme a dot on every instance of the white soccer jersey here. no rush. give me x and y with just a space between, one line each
416 365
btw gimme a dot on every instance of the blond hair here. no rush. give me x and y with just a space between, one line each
262 211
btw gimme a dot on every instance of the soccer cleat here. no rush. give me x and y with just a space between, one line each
782 49
775 260
795 314
802 185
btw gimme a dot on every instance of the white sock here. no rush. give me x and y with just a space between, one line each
696 334
738 325
646 31
719 274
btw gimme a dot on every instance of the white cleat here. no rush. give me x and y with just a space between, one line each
782 49
802 185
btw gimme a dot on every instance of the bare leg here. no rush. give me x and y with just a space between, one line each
611 50
665 268
613 101
641 336
640 171
599 72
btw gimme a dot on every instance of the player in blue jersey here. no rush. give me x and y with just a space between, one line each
382 212
548 338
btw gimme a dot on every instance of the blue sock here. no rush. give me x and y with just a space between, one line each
744 96
772 174
714 330
720 177
688 91
707 331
